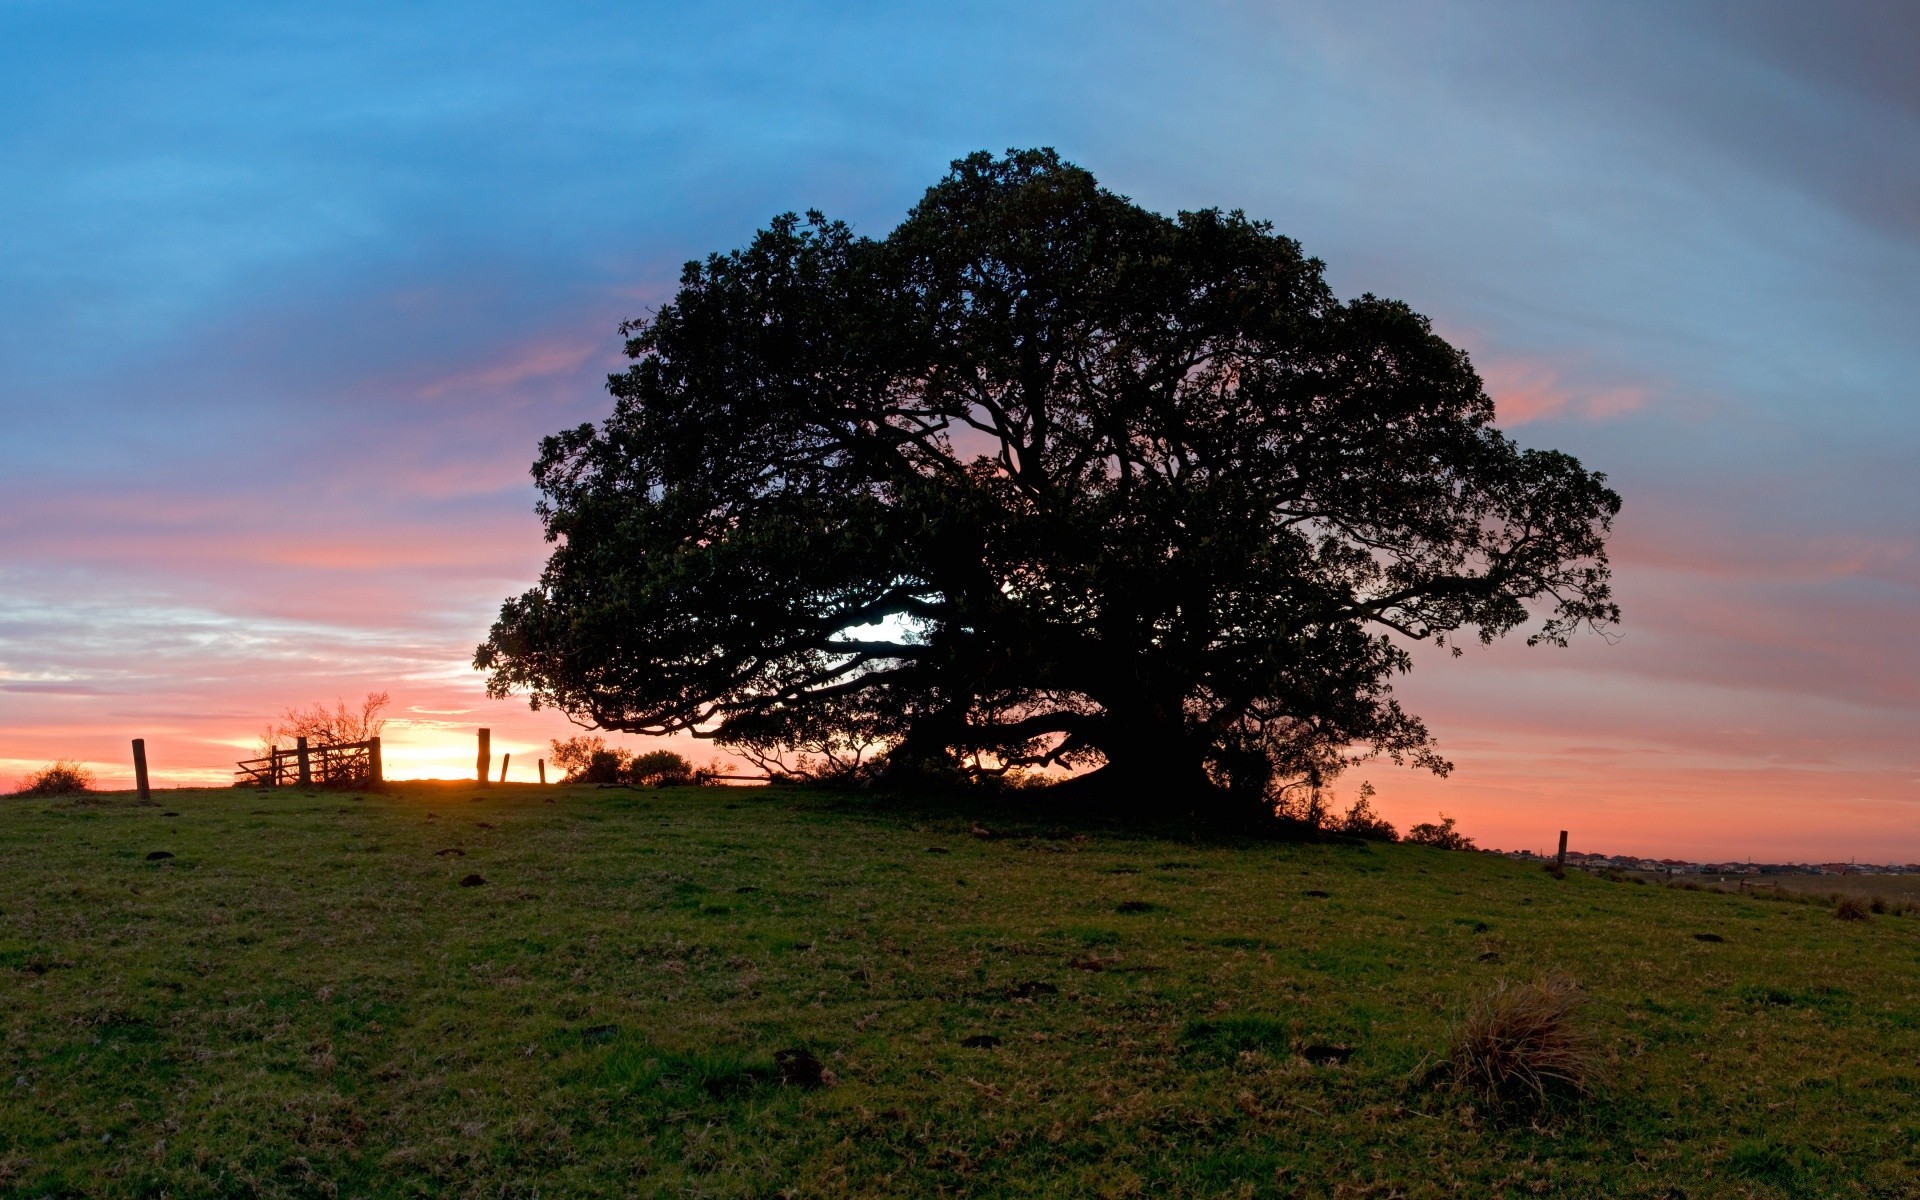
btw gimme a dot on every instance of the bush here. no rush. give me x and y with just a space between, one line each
1851 908
588 759
1362 822
660 768
1442 836
64 778
1518 1045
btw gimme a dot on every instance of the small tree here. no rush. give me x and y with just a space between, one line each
63 778
322 726
1362 821
1442 836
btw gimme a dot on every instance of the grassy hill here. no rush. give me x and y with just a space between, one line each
305 1000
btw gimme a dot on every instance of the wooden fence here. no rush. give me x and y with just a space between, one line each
342 764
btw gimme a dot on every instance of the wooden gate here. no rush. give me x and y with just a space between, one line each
341 764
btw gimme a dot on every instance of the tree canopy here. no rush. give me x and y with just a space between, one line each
1040 478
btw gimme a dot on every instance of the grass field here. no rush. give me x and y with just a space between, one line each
1887 887
305 1001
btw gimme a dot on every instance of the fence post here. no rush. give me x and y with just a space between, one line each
306 763
273 766
140 770
1560 859
504 760
543 771
376 775
486 755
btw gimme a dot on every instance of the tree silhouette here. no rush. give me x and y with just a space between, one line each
1040 478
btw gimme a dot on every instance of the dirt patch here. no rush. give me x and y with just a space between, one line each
473 881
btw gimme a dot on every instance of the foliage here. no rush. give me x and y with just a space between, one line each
63 778
660 768
1519 1044
588 759
1362 821
1040 478
323 726
621 990
1442 836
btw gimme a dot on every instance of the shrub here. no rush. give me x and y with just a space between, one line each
588 759
1519 1045
1442 836
604 766
660 768
63 778
1850 908
1362 822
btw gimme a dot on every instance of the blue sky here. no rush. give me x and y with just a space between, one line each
288 293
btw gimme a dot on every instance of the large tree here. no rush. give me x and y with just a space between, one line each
1040 478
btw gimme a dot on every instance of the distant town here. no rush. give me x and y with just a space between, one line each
1677 866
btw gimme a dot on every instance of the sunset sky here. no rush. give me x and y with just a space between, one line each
289 292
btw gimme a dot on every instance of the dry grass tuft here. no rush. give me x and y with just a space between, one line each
1519 1044
1851 908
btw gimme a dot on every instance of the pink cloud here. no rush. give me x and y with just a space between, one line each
542 358
1525 390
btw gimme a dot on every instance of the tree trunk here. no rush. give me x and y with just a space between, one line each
1156 771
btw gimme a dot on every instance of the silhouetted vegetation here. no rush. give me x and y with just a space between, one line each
1040 478
1362 822
1442 836
588 759
323 726
63 778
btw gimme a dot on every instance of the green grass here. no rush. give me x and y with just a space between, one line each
304 1000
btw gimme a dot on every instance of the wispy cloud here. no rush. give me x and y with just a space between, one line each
1528 391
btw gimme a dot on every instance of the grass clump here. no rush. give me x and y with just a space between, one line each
1852 908
63 778
1520 1045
